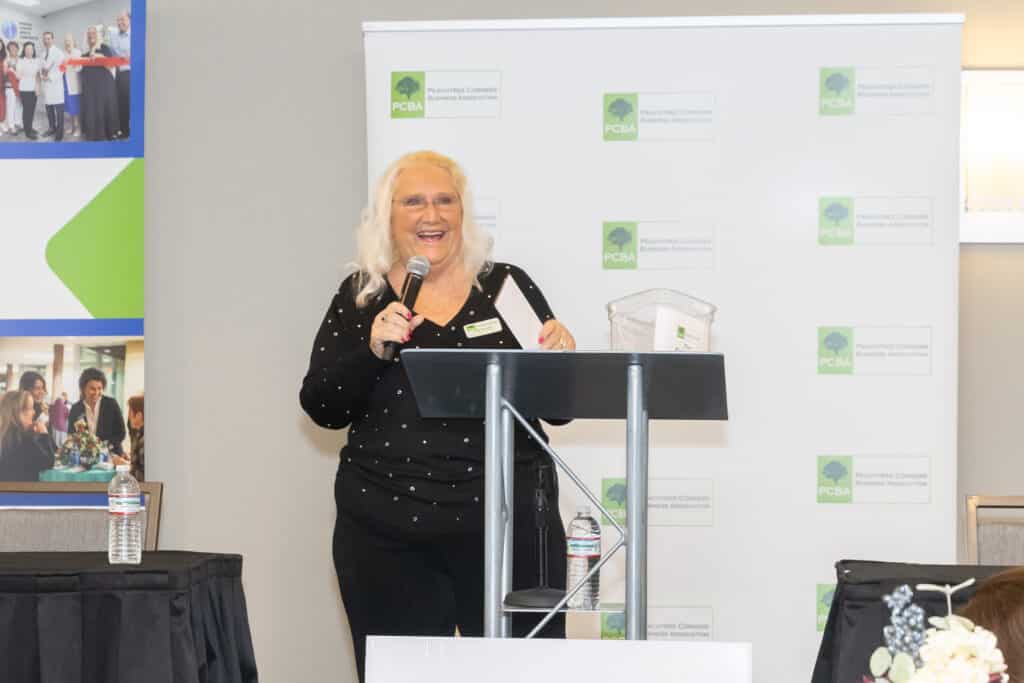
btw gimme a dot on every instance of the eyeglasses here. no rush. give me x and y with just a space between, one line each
415 203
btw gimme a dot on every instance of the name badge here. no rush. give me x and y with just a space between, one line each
482 328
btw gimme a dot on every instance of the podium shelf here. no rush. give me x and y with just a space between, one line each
609 608
450 383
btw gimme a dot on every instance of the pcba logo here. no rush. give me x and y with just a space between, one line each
620 116
619 245
835 350
407 94
835 91
835 476
407 107
835 221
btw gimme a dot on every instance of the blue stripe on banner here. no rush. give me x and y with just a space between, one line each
50 500
138 110
56 500
131 148
84 327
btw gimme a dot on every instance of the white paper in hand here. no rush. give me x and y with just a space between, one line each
518 314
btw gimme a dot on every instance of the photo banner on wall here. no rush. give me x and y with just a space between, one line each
72 132
799 173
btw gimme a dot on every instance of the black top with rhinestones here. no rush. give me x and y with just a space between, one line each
397 467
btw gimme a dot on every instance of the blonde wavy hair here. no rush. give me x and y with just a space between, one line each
11 405
376 253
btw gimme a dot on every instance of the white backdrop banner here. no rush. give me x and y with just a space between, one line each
798 172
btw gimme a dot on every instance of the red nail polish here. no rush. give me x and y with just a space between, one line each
540 339
408 316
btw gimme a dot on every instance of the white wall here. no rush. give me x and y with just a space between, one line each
991 370
255 176
74 20
29 24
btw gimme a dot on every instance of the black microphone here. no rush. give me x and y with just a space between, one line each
415 270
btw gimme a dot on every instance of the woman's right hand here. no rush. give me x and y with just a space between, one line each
396 324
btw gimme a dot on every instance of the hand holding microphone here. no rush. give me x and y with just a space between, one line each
394 325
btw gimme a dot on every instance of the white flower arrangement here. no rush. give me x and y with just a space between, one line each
955 650
958 651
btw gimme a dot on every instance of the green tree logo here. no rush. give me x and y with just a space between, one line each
620 116
836 86
619 250
834 471
835 221
620 236
620 108
613 498
613 626
836 342
835 477
407 94
837 82
835 350
407 86
825 593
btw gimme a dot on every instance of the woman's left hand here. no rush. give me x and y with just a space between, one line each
555 336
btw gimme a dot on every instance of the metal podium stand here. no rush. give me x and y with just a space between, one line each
507 386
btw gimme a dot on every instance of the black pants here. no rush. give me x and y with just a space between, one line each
124 100
28 112
55 117
392 586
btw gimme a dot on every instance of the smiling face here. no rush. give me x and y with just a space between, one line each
92 392
38 391
426 216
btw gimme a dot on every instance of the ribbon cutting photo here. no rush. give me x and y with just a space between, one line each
64 82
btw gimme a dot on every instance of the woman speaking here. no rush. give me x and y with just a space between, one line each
408 541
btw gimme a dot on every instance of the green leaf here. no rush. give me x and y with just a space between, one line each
902 668
881 660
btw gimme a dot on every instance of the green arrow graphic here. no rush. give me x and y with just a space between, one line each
98 255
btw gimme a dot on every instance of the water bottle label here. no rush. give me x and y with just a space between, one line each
583 546
124 505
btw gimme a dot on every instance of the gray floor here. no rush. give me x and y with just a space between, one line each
41 124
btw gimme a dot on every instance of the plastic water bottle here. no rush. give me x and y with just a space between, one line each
124 520
583 542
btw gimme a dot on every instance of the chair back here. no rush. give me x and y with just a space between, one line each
67 516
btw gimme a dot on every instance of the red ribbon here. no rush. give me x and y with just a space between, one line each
108 62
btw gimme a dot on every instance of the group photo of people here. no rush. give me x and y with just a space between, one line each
58 398
63 81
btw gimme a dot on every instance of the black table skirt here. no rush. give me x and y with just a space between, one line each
72 618
858 614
